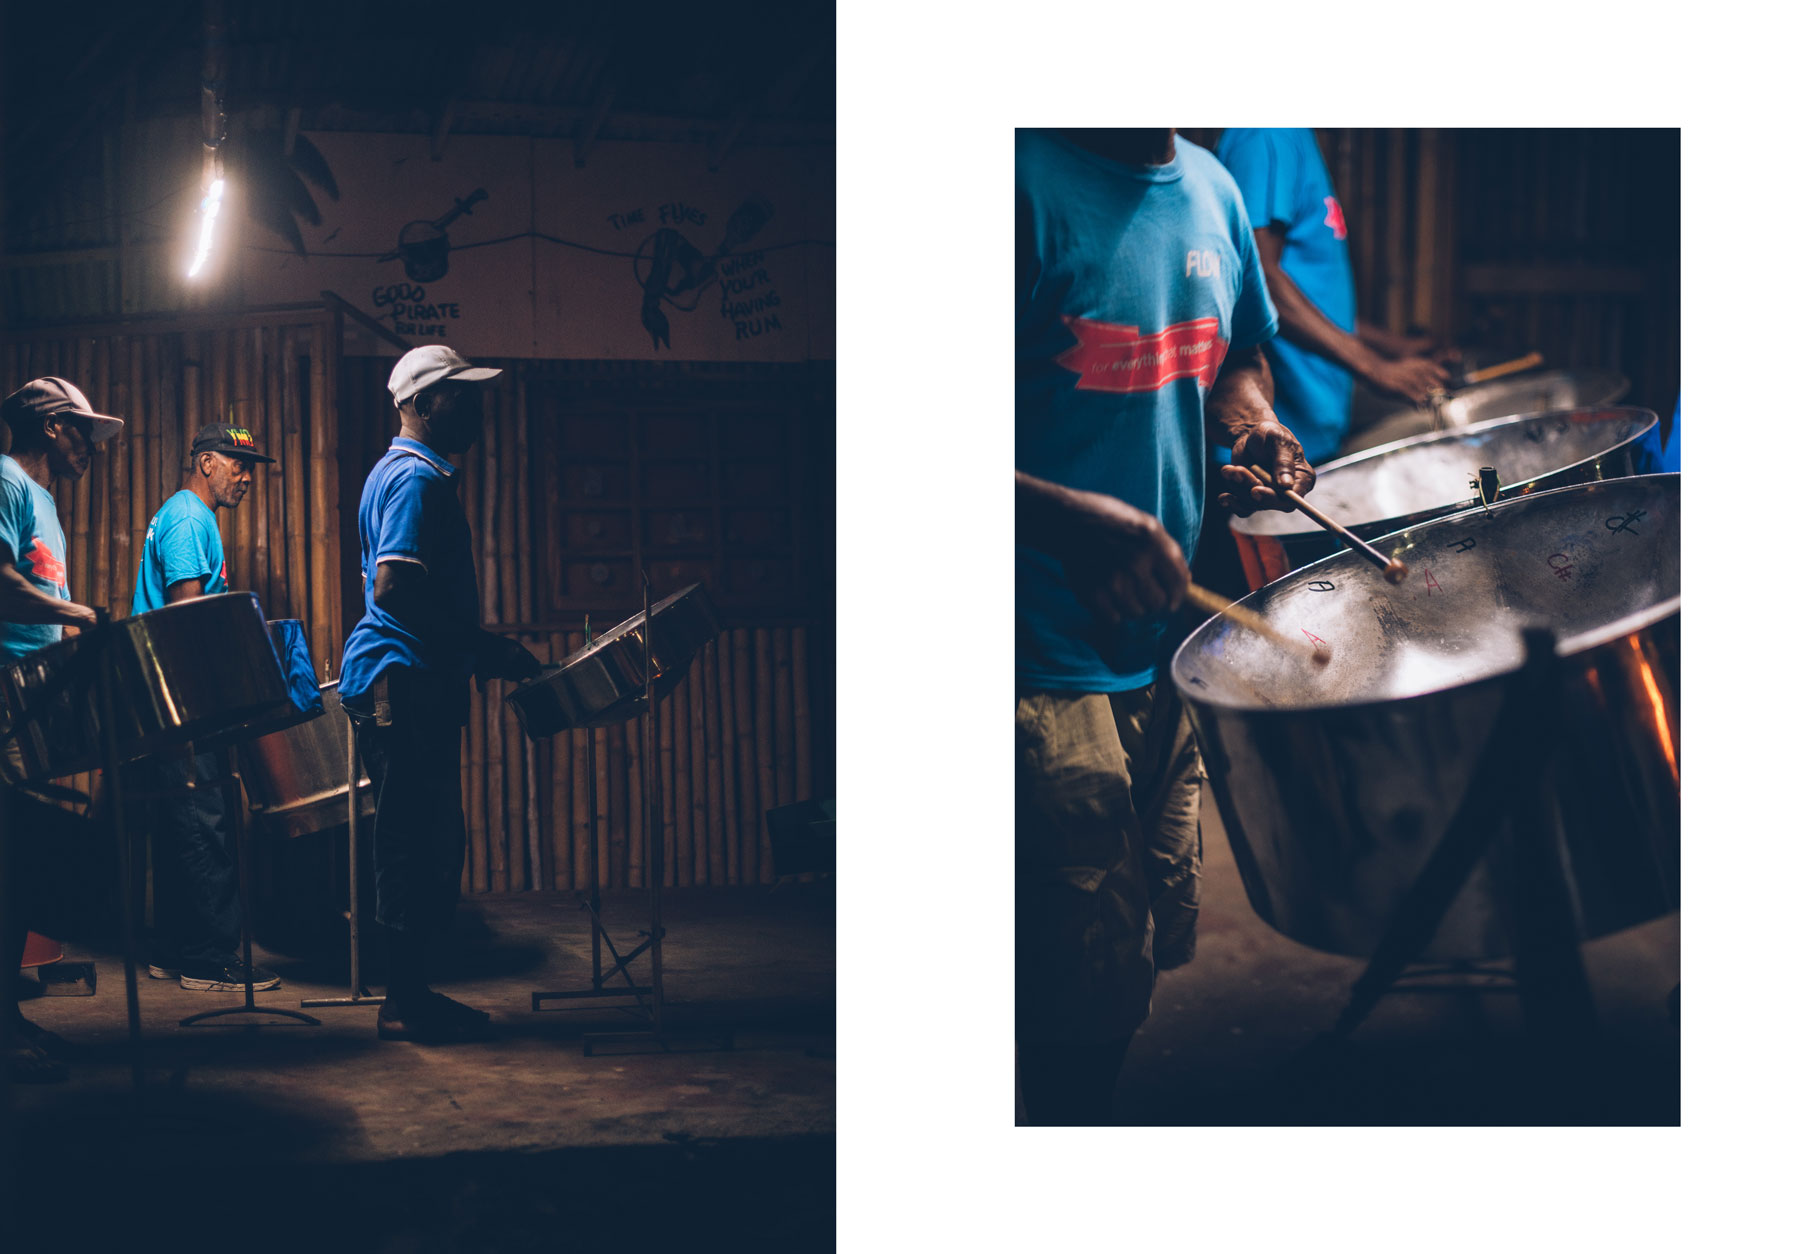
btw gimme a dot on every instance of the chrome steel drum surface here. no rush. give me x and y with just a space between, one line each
183 673
287 636
1336 783
1535 393
1411 481
604 680
298 778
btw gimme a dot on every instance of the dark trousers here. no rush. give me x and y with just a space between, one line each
411 745
193 858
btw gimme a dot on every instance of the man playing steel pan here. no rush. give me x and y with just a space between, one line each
1140 306
405 679
55 433
197 920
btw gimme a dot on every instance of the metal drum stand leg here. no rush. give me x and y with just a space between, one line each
240 831
1551 980
359 996
109 749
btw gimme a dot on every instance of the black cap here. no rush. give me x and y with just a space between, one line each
216 437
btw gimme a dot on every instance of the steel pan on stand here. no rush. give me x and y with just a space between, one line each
1337 784
179 675
299 778
1412 481
1511 397
614 678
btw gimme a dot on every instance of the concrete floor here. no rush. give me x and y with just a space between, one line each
491 1145
1234 1037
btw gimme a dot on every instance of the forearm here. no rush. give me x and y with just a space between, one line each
21 601
1385 341
1240 398
1041 511
1306 326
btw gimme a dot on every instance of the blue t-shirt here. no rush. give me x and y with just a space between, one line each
182 543
1131 284
411 513
29 526
1285 183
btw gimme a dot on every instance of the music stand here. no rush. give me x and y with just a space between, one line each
647 1003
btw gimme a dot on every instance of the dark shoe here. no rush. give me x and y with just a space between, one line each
226 978
43 1039
429 1021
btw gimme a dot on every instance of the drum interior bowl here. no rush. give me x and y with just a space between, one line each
184 673
1336 783
1513 397
1412 481
297 777
603 681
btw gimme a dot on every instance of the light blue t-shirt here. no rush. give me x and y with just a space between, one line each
30 528
1284 182
183 542
411 512
1131 284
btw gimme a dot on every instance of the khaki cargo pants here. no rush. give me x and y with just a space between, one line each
1107 855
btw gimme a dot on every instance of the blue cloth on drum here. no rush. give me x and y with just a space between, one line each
1285 184
1132 284
30 529
181 543
411 512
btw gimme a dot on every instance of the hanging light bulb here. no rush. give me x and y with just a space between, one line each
209 213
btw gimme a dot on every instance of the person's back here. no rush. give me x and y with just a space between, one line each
1282 177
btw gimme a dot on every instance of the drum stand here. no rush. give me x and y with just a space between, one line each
359 996
240 833
647 1007
1551 981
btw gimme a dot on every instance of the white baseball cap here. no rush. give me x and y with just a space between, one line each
432 363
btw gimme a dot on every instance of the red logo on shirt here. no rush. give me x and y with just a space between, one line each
44 564
1334 218
1114 358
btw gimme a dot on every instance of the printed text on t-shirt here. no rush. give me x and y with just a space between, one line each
1110 357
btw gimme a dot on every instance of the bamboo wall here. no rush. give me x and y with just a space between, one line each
1567 241
748 728
275 375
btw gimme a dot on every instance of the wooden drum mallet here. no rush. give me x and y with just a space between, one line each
1392 568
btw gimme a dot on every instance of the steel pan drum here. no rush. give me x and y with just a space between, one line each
1511 397
1409 482
1337 783
287 636
604 681
183 673
298 778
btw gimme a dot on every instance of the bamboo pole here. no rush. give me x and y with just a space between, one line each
490 482
665 769
476 771
783 642
118 485
615 838
728 749
89 493
521 428
715 778
803 764
743 714
603 749
142 420
513 761
462 771
506 532
273 485
765 747
675 709
562 829
322 552
581 744
634 736
501 792
534 829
